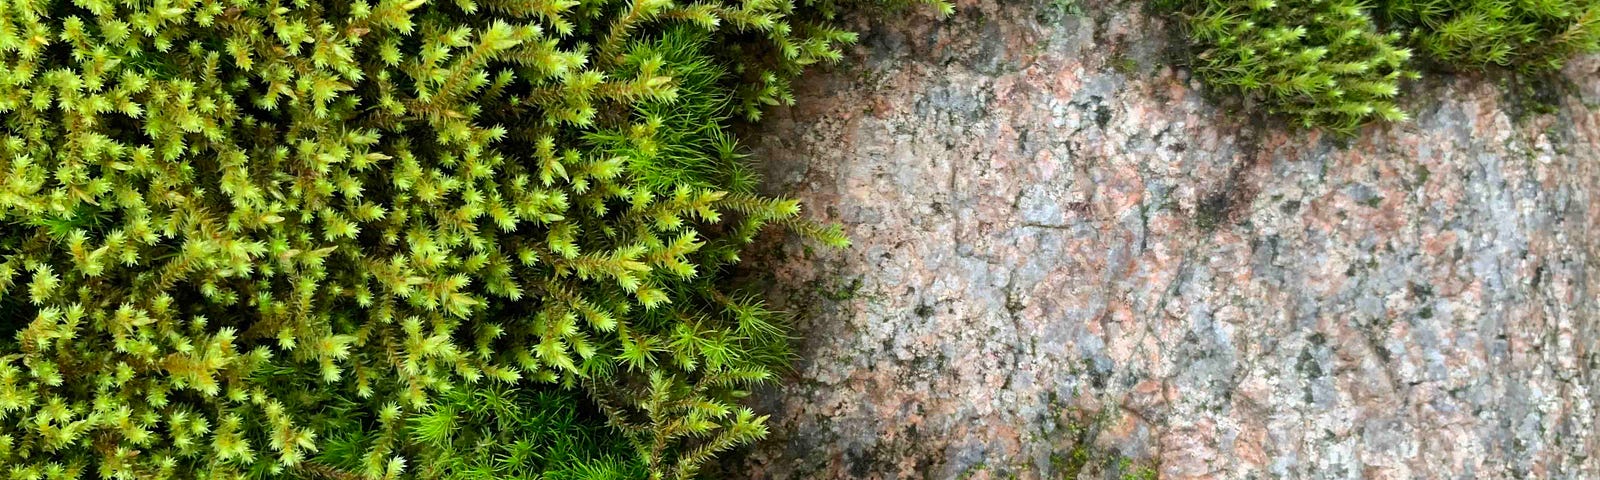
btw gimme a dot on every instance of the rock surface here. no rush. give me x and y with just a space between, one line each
1050 218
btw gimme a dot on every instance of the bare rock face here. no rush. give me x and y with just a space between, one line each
1050 217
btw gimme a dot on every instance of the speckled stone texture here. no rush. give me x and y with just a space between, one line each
1051 217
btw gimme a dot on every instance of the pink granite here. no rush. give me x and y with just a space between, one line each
1051 217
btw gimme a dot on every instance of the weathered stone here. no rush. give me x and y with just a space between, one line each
1050 216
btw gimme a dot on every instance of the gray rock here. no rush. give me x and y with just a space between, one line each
1051 217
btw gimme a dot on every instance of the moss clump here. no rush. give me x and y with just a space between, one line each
1321 61
1333 64
1527 35
384 238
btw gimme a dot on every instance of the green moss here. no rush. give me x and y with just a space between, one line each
1322 62
1329 64
402 238
1530 35
843 292
1124 65
1066 7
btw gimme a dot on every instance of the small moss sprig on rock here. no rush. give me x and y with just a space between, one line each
295 239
